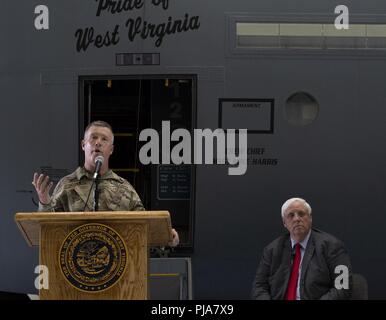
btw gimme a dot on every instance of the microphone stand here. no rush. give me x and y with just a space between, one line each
95 180
96 193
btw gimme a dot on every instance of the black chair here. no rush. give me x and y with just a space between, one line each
359 287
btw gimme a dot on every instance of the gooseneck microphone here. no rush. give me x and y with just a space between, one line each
98 164
95 180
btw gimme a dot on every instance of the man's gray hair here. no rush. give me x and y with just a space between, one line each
292 200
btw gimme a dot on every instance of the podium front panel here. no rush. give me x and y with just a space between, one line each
95 260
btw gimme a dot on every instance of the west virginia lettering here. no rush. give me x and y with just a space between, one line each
136 28
144 29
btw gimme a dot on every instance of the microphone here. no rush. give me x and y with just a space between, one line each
98 164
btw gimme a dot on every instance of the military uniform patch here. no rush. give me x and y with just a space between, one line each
93 257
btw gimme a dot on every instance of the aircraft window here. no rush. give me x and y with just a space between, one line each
270 35
301 109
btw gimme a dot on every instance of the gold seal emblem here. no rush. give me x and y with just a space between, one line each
93 257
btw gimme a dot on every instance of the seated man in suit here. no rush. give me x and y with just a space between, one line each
302 263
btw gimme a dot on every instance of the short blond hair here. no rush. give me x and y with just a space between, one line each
99 123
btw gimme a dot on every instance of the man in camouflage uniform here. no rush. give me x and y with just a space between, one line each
70 194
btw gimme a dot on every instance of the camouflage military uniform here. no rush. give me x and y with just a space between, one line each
116 193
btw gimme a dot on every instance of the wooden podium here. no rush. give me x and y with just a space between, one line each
95 255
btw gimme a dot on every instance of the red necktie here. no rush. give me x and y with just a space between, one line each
293 281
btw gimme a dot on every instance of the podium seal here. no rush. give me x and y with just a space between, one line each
93 257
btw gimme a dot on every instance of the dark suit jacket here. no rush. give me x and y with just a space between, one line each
317 280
